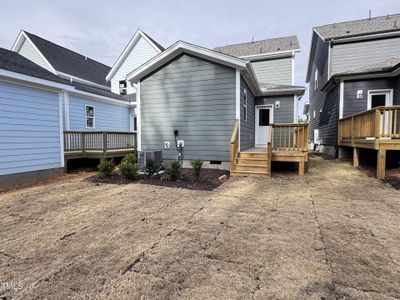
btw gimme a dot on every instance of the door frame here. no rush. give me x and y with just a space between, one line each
389 100
271 118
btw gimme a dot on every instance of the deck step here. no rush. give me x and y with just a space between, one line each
261 155
251 167
253 161
250 173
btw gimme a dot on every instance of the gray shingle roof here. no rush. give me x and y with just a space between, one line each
382 66
70 62
14 62
97 91
360 27
273 86
261 47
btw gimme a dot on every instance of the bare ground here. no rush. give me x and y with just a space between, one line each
334 233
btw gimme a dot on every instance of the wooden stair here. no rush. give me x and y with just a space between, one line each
251 164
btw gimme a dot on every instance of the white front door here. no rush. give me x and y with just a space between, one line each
378 98
263 120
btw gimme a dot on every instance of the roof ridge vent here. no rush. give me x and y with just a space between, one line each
395 24
388 16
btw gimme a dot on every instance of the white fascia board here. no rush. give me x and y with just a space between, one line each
138 119
33 81
270 55
311 55
365 37
18 44
84 81
183 47
317 33
127 50
60 119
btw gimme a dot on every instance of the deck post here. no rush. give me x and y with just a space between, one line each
83 143
381 164
301 167
356 157
104 144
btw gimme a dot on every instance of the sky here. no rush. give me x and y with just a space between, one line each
102 29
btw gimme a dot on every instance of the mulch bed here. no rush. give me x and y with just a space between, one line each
208 180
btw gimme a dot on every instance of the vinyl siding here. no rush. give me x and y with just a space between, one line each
396 94
108 117
194 96
318 99
283 114
27 50
354 55
247 132
278 71
30 129
141 52
328 116
352 105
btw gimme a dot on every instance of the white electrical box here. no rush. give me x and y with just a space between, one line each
359 94
277 104
167 145
181 143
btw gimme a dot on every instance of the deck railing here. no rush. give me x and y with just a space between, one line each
377 123
98 141
290 137
234 148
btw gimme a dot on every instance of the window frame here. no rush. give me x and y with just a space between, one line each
89 117
316 81
245 107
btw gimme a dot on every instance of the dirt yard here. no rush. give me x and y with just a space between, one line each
335 233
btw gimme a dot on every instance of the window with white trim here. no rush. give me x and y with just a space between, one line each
316 80
245 105
89 115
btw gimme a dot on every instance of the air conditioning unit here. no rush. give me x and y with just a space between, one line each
154 155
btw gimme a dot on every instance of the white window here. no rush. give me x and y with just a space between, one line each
316 80
314 114
89 114
122 87
245 105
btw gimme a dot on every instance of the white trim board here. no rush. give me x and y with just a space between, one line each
341 99
237 96
60 119
389 100
139 33
138 118
271 120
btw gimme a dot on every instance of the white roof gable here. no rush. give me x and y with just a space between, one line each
184 47
139 34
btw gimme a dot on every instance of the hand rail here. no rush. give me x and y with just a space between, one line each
234 147
98 140
290 136
376 123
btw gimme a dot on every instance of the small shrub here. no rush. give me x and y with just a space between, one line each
196 168
128 167
174 171
150 167
106 167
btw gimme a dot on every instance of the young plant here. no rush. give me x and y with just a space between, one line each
151 168
128 167
196 168
174 171
106 167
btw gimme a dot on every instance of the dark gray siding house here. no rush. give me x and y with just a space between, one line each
202 93
346 63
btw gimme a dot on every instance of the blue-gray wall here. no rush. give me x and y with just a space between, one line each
194 96
352 105
108 116
247 133
29 129
283 114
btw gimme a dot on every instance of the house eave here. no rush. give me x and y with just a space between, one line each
184 47
127 50
271 55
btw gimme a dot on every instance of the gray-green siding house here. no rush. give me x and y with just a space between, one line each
202 92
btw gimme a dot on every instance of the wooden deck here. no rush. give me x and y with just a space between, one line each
288 143
377 129
98 144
